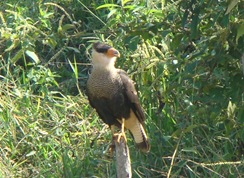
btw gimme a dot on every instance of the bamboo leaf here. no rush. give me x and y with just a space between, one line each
107 6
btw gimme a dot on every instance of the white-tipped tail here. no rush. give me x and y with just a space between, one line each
138 132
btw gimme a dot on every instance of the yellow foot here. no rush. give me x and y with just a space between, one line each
122 133
117 137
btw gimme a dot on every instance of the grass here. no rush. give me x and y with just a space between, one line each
190 83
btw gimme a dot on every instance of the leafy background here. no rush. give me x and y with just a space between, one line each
187 60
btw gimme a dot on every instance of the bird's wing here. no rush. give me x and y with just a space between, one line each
103 109
132 96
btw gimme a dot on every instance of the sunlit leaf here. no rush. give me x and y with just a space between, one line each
107 6
33 56
125 1
112 12
231 109
31 153
190 150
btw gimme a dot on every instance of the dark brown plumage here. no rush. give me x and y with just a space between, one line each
112 93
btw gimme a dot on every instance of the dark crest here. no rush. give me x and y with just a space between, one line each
101 47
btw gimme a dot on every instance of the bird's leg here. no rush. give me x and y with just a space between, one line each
122 133
117 136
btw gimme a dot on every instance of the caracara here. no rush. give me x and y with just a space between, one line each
112 93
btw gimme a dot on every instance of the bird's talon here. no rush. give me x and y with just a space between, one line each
118 137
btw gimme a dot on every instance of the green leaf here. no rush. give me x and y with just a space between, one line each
185 17
67 27
190 128
112 12
74 49
107 6
231 5
125 1
132 42
14 44
190 150
194 26
17 56
33 56
74 67
240 32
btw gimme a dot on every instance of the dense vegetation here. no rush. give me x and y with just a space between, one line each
187 58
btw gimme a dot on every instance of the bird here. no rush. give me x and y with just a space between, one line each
112 93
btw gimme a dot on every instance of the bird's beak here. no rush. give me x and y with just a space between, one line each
112 52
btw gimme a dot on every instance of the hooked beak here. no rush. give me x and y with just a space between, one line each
112 52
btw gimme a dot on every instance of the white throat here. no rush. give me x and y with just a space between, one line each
100 60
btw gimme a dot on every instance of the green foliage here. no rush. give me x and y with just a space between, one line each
185 56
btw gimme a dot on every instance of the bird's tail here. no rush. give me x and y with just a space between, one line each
138 132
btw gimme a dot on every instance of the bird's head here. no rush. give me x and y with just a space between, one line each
104 55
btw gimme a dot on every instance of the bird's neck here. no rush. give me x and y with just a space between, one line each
104 65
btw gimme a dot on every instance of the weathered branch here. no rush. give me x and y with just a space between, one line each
123 164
